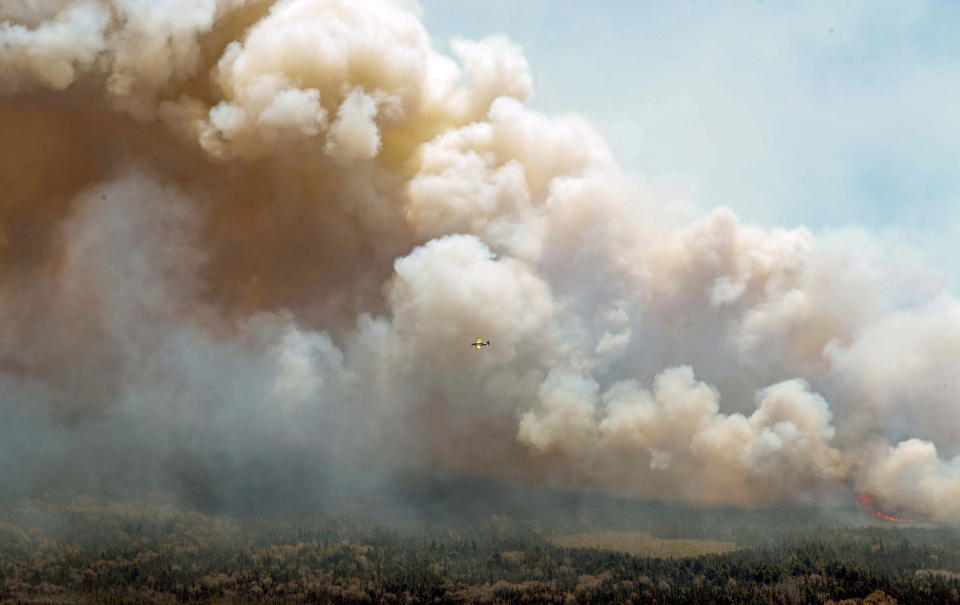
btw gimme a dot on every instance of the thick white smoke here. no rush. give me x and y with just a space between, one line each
237 230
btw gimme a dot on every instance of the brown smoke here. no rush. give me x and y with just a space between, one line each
236 229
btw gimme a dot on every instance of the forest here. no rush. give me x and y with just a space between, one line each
95 551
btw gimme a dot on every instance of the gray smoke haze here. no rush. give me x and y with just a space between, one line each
252 232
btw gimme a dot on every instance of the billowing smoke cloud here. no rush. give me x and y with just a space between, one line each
245 231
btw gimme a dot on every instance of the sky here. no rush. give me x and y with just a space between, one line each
831 115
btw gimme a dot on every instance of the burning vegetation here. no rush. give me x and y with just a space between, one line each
866 501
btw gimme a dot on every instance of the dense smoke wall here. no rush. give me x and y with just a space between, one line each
250 238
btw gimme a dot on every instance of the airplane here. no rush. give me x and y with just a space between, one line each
476 344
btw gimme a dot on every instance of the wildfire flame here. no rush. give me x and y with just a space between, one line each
866 501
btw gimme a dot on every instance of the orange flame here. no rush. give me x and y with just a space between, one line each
866 501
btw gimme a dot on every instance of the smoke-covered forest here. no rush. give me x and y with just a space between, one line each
91 551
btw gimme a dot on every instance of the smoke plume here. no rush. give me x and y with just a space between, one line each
256 234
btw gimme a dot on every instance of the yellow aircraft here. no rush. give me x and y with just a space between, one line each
478 343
